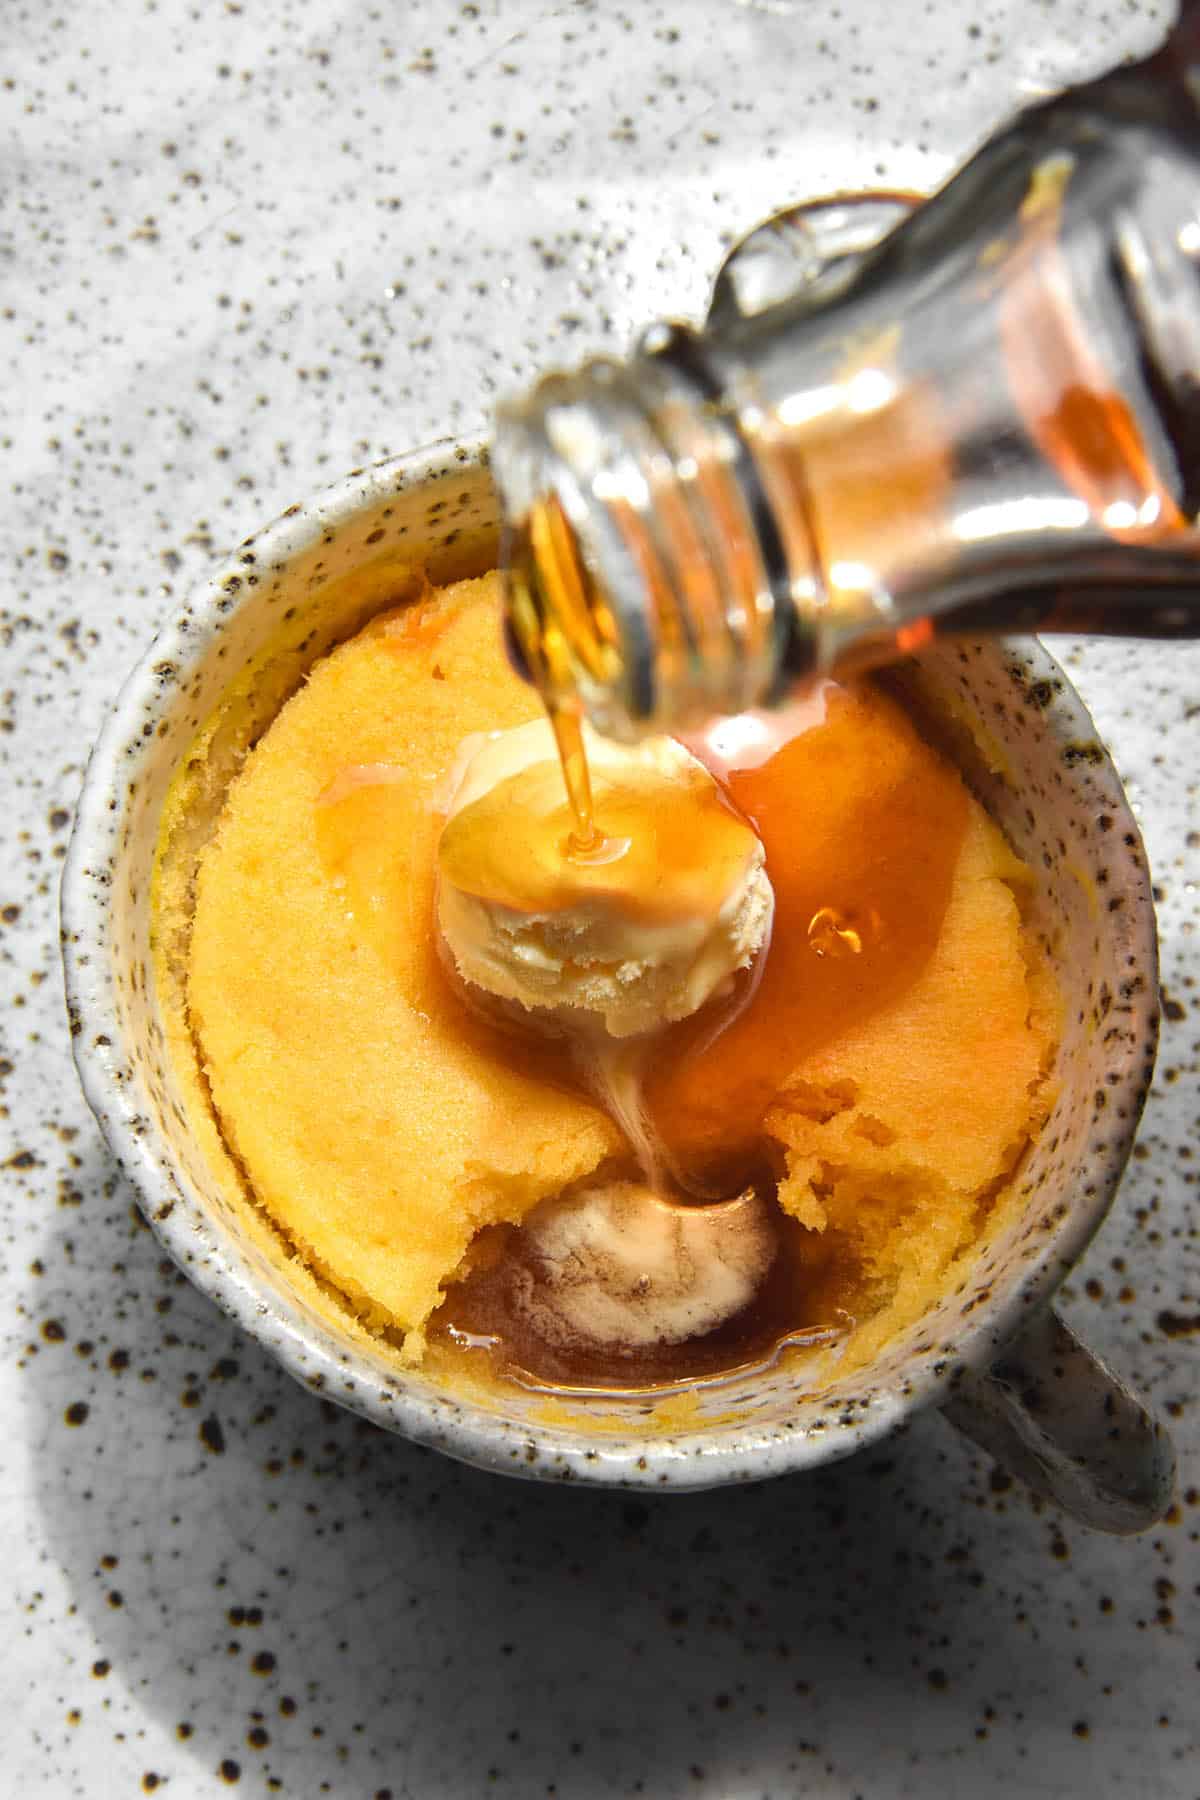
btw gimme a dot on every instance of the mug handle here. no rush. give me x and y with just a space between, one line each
1055 1416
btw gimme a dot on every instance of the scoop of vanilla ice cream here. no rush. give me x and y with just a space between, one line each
618 1265
634 937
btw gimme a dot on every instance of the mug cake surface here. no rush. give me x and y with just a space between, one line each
883 1079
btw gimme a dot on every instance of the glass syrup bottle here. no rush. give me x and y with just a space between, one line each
976 414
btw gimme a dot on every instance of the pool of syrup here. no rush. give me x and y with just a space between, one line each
811 1296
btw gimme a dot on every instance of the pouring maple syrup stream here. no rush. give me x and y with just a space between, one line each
548 602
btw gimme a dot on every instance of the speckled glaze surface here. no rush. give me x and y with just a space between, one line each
247 249
1025 742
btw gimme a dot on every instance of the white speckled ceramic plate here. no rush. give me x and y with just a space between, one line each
249 247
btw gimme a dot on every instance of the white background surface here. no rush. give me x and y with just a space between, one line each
244 247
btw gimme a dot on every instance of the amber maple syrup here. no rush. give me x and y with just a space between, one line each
861 851
557 621
808 1300
566 724
662 847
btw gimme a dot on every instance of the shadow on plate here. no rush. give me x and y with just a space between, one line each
298 1597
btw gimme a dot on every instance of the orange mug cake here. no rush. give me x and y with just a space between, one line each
517 1141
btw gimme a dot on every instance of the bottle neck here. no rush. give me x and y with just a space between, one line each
650 572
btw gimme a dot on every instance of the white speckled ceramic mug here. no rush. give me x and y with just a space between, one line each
991 1352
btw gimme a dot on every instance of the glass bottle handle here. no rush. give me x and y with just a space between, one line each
810 248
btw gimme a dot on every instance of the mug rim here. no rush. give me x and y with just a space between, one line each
447 1421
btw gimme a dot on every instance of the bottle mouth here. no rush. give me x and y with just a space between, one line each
640 580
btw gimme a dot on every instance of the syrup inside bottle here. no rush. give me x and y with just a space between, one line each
981 452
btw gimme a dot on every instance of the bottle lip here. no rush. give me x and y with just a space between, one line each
654 481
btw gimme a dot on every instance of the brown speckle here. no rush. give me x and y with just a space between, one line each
211 1435
1173 1324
